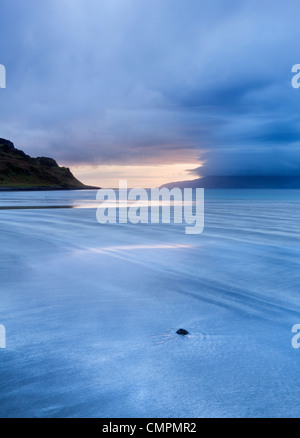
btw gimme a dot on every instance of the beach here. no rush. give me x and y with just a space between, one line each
91 311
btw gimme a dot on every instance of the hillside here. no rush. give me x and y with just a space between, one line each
20 171
240 182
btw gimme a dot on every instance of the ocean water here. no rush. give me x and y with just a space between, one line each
91 310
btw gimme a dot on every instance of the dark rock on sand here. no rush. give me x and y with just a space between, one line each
182 332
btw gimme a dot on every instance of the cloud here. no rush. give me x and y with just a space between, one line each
140 81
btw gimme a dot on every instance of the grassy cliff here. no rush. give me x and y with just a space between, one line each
20 171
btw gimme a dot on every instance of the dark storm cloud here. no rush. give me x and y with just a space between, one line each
127 81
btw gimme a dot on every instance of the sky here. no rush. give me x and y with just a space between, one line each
153 91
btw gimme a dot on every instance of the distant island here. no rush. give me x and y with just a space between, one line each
240 182
19 171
